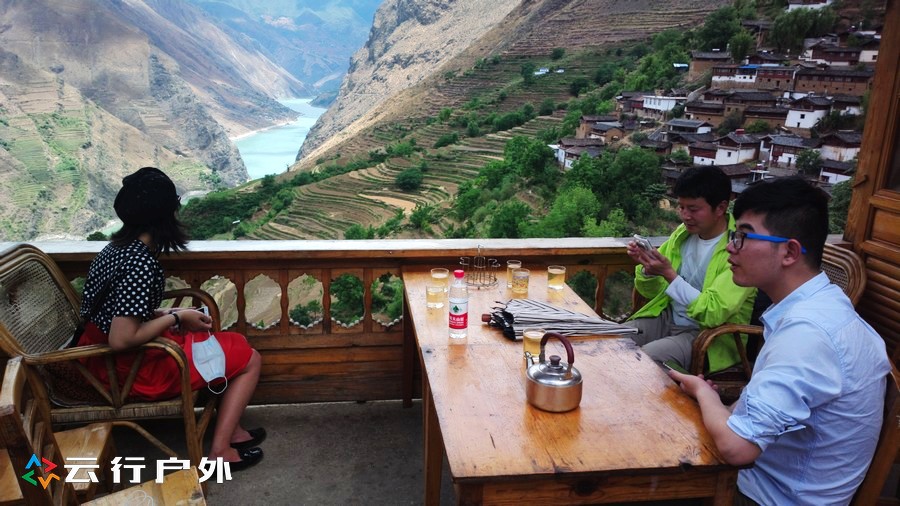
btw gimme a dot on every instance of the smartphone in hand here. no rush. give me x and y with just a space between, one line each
675 366
643 242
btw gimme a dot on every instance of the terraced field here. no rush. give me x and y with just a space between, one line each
324 210
591 23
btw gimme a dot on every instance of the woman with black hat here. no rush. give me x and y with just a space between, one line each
121 302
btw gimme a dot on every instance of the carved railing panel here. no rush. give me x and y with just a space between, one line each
283 296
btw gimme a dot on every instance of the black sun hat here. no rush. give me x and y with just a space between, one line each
147 196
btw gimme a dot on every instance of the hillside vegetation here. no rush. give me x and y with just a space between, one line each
469 159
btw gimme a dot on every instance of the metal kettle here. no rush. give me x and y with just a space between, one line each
555 385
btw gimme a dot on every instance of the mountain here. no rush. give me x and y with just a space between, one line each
415 44
311 40
93 89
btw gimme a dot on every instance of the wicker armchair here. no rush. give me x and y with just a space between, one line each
842 266
25 432
39 311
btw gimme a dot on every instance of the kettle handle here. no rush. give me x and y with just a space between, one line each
570 353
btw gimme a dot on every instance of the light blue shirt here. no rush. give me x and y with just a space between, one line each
814 404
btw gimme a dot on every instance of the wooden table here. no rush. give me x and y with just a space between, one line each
635 435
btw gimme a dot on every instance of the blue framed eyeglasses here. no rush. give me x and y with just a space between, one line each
737 239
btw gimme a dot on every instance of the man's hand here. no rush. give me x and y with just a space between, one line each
692 385
654 263
734 449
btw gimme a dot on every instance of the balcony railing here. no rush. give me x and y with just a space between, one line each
285 296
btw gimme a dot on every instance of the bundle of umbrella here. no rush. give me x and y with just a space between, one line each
519 314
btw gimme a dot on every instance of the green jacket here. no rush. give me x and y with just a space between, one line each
720 301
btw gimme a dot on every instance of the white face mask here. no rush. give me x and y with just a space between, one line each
209 359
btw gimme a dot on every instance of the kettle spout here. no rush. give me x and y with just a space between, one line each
529 359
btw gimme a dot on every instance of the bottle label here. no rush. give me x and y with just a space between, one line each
459 314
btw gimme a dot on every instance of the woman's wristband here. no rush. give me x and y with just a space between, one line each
177 319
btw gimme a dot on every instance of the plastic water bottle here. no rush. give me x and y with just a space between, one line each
459 306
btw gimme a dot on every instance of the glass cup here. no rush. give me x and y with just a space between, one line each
441 277
520 280
556 277
510 266
434 296
531 341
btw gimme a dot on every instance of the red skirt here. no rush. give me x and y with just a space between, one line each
159 378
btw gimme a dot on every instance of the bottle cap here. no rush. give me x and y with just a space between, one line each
458 273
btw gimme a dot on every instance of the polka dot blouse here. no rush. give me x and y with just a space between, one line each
137 284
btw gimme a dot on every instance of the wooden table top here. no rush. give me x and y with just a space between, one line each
632 418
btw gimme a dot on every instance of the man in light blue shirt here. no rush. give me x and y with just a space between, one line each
810 417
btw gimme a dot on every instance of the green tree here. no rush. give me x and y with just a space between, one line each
547 107
530 158
505 222
567 216
306 314
809 162
791 27
557 53
615 225
732 122
347 299
740 45
409 179
527 73
357 231
446 140
759 127
97 236
680 156
839 206
578 85
422 217
720 26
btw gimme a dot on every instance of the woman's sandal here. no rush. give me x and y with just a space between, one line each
257 436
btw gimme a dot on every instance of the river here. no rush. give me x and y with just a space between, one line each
273 150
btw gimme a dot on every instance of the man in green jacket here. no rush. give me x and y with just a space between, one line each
688 280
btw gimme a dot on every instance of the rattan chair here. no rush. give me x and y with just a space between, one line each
26 433
39 311
842 266
869 492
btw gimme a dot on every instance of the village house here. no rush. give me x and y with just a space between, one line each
663 148
833 171
767 58
824 53
739 100
607 131
804 113
680 125
833 81
630 101
775 117
586 122
703 153
846 104
841 146
808 4
702 61
737 147
734 76
568 150
782 150
775 77
869 50
658 106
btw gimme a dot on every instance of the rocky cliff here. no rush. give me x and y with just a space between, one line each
92 89
409 41
413 43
